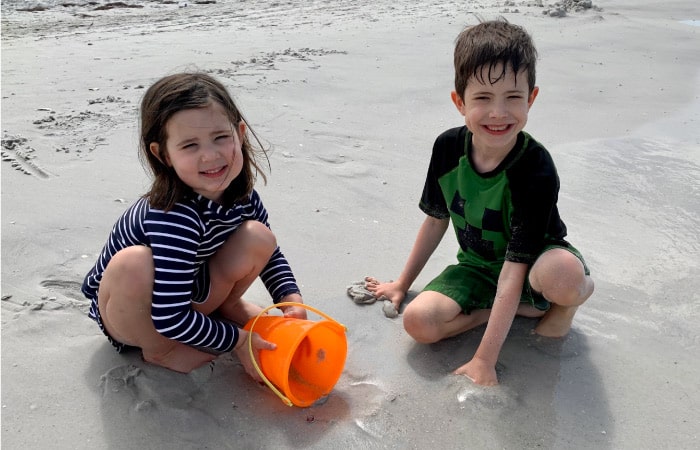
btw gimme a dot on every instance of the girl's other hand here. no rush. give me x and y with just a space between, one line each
295 312
243 354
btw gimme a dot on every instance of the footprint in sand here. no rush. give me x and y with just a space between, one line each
139 389
68 289
370 404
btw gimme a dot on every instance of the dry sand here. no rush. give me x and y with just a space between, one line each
350 95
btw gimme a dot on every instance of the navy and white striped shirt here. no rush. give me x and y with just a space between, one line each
182 240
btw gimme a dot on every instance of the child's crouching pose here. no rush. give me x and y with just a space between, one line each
499 187
180 258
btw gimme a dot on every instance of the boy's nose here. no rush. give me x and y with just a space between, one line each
499 110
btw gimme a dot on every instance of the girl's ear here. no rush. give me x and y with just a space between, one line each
154 147
241 130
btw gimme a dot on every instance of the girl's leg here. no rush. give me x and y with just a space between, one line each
560 276
233 269
124 300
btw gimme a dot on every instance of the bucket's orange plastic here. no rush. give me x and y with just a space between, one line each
309 357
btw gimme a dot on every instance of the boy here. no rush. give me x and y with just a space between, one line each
499 187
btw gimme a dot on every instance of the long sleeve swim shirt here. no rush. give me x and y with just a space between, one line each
182 240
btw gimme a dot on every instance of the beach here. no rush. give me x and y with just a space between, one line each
349 96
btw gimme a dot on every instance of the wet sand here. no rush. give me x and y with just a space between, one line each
350 96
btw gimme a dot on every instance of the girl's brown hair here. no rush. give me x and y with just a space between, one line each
175 93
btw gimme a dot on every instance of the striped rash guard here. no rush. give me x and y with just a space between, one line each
182 240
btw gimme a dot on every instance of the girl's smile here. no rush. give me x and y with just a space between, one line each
204 149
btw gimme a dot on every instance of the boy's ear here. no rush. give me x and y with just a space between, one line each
533 95
458 101
155 151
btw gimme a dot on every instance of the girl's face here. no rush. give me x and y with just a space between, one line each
204 149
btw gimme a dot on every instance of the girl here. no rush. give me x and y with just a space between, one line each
181 257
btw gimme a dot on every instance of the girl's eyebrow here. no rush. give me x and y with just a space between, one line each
185 141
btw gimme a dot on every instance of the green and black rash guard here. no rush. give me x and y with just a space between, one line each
508 214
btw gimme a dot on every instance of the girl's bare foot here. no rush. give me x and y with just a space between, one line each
239 311
557 321
180 358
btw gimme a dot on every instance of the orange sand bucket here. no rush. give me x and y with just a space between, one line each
309 357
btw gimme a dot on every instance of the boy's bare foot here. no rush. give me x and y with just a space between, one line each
180 358
557 321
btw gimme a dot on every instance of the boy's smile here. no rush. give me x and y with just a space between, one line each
495 111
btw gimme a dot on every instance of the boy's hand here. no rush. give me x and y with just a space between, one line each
480 372
296 312
391 290
243 354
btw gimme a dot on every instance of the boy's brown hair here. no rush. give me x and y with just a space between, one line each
489 44
161 101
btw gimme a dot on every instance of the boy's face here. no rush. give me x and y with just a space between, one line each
495 113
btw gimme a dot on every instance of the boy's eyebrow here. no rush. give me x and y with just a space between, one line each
509 91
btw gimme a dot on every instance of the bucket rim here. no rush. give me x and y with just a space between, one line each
329 320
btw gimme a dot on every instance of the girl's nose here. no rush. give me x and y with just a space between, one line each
209 153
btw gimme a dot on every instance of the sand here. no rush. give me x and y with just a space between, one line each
350 96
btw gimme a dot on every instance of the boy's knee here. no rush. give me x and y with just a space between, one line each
419 327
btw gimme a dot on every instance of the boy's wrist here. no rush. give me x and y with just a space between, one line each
403 285
485 360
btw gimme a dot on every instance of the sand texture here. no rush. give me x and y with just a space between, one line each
350 96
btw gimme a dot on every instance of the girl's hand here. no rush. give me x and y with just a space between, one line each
243 354
296 312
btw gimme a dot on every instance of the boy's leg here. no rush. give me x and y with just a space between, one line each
560 276
433 316
233 269
124 301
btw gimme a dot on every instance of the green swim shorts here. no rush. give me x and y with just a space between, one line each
475 288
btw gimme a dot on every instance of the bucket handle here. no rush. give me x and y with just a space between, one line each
250 342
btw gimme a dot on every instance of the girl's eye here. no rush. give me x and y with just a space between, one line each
223 136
